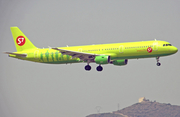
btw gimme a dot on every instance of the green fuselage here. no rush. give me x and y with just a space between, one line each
130 50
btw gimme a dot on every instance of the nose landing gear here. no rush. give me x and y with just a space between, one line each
158 63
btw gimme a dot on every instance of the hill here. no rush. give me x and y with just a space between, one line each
145 108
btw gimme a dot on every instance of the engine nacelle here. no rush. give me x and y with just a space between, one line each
120 62
104 59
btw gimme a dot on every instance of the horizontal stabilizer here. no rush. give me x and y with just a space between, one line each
21 55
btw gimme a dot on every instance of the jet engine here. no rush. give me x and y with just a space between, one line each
104 59
120 62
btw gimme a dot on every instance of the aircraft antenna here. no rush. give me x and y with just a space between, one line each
49 47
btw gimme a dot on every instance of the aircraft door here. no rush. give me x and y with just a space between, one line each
121 49
36 54
155 46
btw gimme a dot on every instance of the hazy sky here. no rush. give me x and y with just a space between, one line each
30 89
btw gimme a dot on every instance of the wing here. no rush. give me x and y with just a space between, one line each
83 56
21 55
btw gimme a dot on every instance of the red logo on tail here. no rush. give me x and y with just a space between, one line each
149 49
20 40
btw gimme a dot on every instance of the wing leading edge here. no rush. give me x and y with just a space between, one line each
81 55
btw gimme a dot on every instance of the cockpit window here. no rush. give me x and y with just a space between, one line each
167 45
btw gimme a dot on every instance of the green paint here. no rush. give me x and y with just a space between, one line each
42 57
47 55
67 57
56 55
62 57
52 55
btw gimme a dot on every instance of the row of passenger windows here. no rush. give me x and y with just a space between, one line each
116 48
100 49
167 45
139 47
125 48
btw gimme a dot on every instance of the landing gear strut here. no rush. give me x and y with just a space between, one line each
158 63
99 68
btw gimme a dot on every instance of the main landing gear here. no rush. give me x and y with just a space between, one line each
99 68
158 63
88 68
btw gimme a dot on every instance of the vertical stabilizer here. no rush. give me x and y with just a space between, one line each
20 40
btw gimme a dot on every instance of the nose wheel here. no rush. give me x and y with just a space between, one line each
158 63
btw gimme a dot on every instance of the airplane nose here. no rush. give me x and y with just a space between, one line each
174 50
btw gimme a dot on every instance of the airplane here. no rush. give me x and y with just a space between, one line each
101 54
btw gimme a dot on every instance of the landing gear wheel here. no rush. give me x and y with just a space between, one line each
87 67
158 64
99 68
